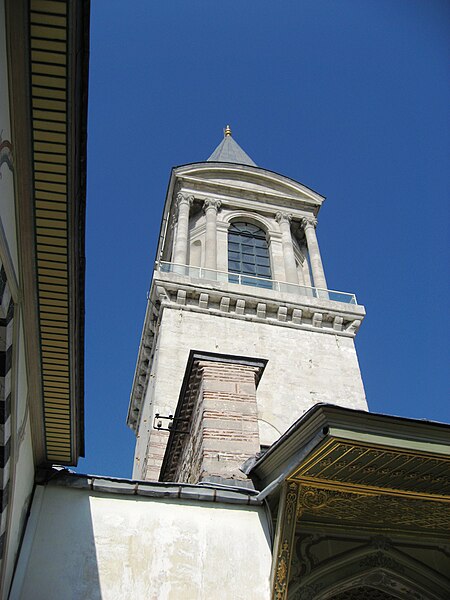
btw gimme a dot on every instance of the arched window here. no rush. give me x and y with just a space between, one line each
248 254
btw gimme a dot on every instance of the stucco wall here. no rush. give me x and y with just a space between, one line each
16 498
7 207
86 545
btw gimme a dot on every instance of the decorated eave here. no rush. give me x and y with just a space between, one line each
346 470
48 53
361 452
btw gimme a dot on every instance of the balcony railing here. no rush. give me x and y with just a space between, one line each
260 282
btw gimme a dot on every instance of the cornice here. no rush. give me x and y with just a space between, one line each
231 194
257 173
170 291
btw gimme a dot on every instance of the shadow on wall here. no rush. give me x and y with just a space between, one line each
58 559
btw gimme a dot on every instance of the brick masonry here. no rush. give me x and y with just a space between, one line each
224 424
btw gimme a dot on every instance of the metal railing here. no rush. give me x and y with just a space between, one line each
261 282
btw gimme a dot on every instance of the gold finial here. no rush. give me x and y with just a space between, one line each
227 131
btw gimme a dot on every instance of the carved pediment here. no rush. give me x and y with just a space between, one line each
245 182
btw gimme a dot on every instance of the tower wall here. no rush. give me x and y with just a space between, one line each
237 255
304 368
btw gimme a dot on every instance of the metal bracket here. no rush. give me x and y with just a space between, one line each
171 421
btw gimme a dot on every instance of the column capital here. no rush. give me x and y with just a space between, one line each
283 217
211 203
308 222
184 199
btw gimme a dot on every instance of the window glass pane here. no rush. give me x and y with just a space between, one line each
234 237
248 268
260 243
262 261
248 253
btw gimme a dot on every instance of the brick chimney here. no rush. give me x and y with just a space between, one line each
215 427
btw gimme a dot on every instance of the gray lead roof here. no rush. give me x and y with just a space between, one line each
229 151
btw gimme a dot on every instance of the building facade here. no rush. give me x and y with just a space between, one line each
275 482
259 472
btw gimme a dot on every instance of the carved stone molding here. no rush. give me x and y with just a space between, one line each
342 462
372 509
184 199
174 294
284 548
283 217
255 308
211 204
344 571
308 222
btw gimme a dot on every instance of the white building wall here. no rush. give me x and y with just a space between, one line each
85 545
7 206
21 470
22 461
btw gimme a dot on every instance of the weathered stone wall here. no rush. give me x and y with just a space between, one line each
304 367
224 424
16 446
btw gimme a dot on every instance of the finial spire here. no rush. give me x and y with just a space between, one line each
229 151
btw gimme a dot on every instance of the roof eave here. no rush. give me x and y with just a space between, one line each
325 421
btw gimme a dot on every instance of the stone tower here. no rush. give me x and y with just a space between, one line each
241 335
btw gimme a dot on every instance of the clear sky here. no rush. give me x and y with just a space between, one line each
349 97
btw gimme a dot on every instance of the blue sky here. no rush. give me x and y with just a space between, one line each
349 97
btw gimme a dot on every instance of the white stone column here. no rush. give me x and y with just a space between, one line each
290 266
309 224
181 241
211 206
276 255
222 248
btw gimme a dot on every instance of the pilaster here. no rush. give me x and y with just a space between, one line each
284 221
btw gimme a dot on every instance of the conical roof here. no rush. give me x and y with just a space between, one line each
229 151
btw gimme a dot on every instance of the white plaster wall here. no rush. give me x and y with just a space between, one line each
303 368
21 452
22 462
7 204
82 545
